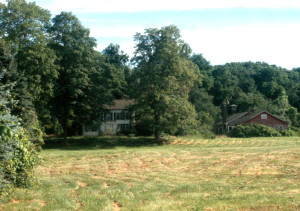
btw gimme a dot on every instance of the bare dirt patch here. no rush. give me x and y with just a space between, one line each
15 201
117 206
42 203
74 193
82 184
80 204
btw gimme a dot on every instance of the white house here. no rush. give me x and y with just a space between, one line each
116 120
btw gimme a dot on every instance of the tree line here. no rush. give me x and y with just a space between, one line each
61 81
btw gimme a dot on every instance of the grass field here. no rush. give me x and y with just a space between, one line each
110 173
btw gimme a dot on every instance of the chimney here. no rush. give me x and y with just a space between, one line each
233 108
224 113
251 110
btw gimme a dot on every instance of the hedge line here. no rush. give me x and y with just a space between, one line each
257 130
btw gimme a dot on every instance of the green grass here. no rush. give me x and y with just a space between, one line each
120 173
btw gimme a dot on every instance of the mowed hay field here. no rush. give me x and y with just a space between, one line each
122 173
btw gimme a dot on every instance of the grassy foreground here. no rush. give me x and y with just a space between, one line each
123 173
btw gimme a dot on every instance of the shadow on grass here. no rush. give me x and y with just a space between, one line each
102 142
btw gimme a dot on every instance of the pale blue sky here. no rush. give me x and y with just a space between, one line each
223 31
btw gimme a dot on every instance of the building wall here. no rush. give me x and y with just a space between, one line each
112 127
219 129
90 130
268 120
90 133
109 126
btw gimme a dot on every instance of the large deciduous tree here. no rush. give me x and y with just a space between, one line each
23 29
164 77
116 70
106 83
199 95
74 49
225 85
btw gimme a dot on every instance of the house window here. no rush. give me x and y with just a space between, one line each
117 116
123 127
264 116
125 115
122 116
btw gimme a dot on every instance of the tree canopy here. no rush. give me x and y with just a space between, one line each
164 78
61 81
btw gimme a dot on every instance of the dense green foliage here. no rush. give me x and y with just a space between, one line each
18 155
74 49
23 30
164 77
62 82
245 131
259 86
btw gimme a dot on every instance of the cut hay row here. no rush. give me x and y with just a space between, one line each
223 143
189 143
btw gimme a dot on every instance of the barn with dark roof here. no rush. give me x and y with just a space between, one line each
244 118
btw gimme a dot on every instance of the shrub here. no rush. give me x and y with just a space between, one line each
289 132
34 132
17 154
24 158
200 131
6 151
253 131
17 160
295 130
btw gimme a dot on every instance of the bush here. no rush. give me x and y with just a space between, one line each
17 160
253 131
34 132
290 132
6 151
17 154
295 130
201 131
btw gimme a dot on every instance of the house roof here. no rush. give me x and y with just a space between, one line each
240 118
252 115
120 104
245 118
232 117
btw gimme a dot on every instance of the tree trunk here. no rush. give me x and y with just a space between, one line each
157 131
157 134
65 127
65 132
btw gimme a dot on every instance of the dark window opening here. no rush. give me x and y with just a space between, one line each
123 127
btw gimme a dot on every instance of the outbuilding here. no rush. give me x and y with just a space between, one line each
248 118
